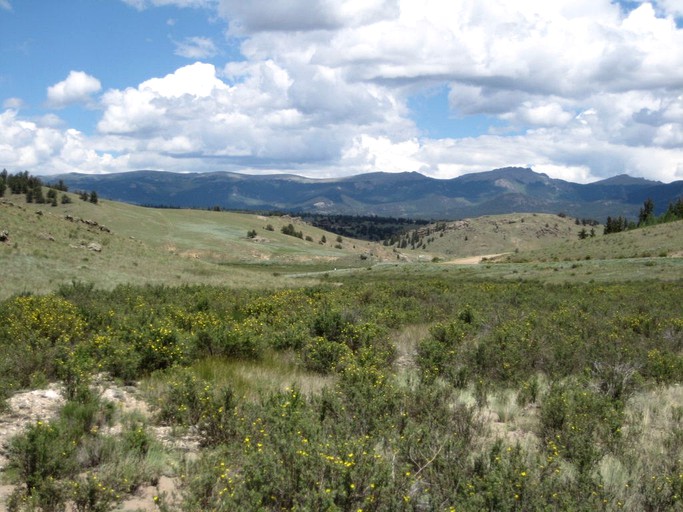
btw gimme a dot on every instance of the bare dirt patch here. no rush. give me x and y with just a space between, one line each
474 260
24 409
28 407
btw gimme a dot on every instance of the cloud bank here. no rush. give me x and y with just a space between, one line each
579 89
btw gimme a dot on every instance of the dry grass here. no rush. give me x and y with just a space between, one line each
496 234
155 246
660 241
175 247
274 372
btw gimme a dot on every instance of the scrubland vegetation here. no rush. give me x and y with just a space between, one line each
316 380
503 396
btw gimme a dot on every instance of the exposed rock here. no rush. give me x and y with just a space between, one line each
24 409
95 247
4 236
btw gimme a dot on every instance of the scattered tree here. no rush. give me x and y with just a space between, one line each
674 212
616 225
290 230
60 185
646 212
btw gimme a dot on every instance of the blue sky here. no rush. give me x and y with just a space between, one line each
581 89
121 46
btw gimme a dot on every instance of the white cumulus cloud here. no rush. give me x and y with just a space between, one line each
78 87
260 117
303 15
45 148
13 103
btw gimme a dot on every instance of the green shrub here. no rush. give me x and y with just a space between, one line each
579 424
40 455
33 331
290 230
73 368
663 366
91 494
529 391
330 324
322 355
159 347
50 496
218 424
184 398
442 354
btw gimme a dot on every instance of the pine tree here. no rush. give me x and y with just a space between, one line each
646 212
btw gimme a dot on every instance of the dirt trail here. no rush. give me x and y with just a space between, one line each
474 260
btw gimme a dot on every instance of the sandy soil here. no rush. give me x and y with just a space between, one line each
43 404
474 260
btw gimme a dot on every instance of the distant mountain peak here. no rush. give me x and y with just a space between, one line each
403 194
625 179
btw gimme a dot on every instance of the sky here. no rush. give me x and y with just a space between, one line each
581 90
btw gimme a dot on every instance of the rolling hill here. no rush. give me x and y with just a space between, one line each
113 243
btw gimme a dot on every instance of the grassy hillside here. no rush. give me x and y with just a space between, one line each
663 240
48 246
493 234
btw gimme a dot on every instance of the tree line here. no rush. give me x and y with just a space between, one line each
363 227
32 187
646 217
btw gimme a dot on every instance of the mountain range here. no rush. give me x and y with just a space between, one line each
408 194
